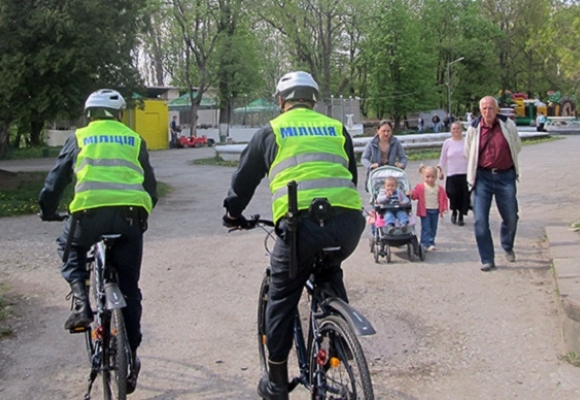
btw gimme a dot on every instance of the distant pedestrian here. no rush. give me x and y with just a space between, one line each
492 144
431 204
454 162
436 123
174 131
420 124
541 122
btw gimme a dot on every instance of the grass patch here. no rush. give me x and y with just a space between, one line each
536 140
5 303
20 192
32 152
576 226
573 358
216 160
21 196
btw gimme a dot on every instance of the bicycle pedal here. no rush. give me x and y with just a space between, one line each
79 329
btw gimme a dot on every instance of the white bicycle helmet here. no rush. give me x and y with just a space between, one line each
297 85
106 98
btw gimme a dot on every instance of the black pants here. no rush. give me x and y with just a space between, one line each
456 189
342 230
125 257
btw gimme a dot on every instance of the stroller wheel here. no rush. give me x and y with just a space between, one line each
421 252
376 253
388 251
372 243
410 251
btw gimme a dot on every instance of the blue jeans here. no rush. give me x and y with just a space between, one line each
502 185
429 227
401 215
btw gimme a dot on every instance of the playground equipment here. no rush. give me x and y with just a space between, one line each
526 110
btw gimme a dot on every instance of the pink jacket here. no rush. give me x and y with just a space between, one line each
418 193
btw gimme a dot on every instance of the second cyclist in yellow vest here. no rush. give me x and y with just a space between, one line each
317 152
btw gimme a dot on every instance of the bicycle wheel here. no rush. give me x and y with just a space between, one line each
339 362
262 303
90 334
115 359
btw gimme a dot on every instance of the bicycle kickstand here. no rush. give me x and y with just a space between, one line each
92 378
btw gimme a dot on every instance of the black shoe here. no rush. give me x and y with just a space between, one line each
487 267
460 221
82 314
133 375
454 217
274 386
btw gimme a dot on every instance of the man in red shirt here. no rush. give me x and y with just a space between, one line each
492 144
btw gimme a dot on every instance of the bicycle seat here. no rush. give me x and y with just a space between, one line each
324 257
111 238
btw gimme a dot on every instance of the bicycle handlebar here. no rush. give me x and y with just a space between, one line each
252 222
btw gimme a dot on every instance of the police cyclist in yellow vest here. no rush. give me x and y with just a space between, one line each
115 191
317 152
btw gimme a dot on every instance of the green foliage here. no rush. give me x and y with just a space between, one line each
55 53
21 198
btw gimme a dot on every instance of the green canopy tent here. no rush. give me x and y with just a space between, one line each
257 106
184 105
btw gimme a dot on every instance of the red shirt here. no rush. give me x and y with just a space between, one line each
494 150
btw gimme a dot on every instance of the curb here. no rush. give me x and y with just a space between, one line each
564 247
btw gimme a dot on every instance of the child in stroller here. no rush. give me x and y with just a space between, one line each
389 200
391 209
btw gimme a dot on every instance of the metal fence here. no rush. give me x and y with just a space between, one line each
249 112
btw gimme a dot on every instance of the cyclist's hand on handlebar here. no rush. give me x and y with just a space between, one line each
235 223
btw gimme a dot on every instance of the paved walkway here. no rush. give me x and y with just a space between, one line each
445 330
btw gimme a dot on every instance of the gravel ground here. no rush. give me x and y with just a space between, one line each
445 330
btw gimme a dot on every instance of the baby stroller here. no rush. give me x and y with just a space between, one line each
383 239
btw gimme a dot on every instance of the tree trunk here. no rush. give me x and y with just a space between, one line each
4 134
35 132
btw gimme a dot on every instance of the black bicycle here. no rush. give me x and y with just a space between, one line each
331 361
107 345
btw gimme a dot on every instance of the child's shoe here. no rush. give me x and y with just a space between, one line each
391 229
404 228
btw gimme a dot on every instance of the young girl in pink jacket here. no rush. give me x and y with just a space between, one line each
431 204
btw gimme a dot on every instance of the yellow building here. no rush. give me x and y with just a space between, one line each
151 122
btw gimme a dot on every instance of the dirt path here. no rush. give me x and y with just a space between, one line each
445 329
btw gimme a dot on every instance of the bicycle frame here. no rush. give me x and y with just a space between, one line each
320 307
108 298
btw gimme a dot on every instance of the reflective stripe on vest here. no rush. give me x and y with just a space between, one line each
107 169
315 184
310 152
303 158
107 163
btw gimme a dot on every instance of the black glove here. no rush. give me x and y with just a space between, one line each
239 222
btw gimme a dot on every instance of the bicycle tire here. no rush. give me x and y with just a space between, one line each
116 359
262 304
349 378
93 301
